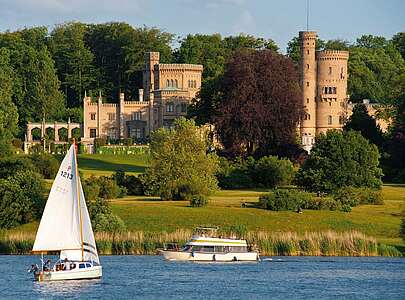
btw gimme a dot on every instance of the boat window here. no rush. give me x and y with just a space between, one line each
88 266
81 266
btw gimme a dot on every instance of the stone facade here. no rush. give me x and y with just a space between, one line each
323 79
167 91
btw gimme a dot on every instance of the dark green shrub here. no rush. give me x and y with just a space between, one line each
45 164
109 189
21 198
10 165
282 200
346 208
198 201
134 185
354 196
102 218
270 171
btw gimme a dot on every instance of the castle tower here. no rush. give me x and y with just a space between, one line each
332 89
308 72
151 59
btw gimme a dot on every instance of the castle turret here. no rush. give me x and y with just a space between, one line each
308 72
332 89
151 59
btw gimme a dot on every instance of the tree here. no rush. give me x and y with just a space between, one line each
261 103
399 42
73 61
9 115
119 50
361 121
340 159
180 166
375 70
36 86
21 198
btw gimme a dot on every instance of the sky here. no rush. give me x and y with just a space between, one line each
279 20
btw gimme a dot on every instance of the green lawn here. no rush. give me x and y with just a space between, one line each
104 164
224 209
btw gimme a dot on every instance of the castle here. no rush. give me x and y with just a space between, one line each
167 91
323 80
169 88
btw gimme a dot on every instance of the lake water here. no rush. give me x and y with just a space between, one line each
151 277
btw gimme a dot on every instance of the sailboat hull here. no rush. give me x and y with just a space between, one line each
87 273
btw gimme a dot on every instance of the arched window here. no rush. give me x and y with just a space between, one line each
330 90
334 90
329 120
326 90
307 66
195 83
308 52
167 83
172 82
170 107
177 83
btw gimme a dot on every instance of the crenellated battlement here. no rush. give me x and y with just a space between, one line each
332 55
178 67
307 35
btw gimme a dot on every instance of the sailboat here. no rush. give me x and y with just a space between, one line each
65 228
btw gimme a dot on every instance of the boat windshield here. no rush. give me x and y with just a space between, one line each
206 231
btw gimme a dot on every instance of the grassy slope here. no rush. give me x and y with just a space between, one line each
382 222
97 164
151 214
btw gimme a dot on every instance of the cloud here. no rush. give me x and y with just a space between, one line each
20 13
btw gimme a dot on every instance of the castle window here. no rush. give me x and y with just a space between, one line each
307 66
170 107
111 116
93 132
184 107
167 83
177 83
307 100
330 90
137 115
340 120
329 120
334 90
330 70
92 116
325 90
189 83
136 133
308 52
307 83
172 83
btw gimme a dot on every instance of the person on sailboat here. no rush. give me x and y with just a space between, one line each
67 265
47 265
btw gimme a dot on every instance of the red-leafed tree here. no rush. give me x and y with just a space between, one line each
261 103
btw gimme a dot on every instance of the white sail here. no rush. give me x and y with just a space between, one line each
64 226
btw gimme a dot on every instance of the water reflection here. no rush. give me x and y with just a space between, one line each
69 288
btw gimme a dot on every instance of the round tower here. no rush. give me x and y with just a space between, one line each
308 85
332 89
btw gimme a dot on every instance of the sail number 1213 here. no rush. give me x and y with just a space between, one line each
67 175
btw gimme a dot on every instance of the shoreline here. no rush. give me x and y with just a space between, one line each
327 243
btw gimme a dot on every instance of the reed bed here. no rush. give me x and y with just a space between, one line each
328 243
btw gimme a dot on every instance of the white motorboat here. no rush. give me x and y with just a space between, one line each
65 228
206 246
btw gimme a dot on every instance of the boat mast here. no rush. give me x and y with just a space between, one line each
78 197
